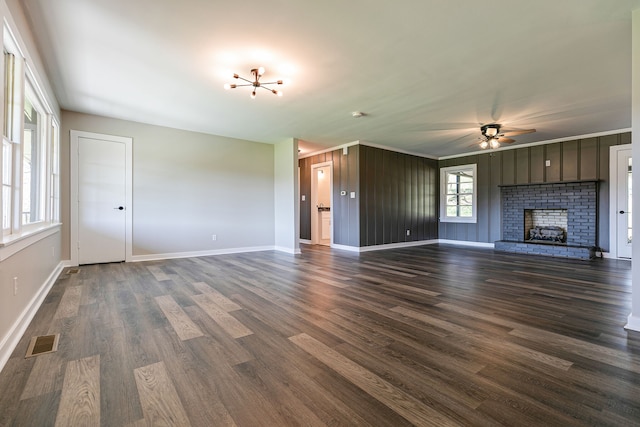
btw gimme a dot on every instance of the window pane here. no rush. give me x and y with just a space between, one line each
452 188
9 83
466 200
7 151
33 166
452 200
452 211
466 211
466 188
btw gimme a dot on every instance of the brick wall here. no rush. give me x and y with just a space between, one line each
580 199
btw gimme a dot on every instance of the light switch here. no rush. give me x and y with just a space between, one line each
353 194
304 197
547 163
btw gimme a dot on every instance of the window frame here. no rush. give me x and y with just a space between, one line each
22 80
445 172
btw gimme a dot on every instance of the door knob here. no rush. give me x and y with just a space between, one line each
622 212
120 208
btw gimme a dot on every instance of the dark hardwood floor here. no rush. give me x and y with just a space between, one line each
434 335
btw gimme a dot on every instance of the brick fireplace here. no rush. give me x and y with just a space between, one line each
571 206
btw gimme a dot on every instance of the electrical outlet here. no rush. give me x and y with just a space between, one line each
15 286
408 232
214 237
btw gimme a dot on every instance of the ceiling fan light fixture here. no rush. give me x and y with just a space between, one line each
484 145
256 83
494 143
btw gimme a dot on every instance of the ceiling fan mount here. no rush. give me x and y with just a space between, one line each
493 134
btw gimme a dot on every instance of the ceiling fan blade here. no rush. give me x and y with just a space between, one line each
503 140
515 132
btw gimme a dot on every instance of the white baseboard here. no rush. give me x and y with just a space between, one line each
11 340
467 243
633 323
288 250
194 254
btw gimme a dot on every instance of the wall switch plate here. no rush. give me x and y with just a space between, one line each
214 237
304 197
408 232
353 194
547 163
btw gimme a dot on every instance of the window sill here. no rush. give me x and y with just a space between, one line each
14 243
459 220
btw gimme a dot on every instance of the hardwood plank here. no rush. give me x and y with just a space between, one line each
221 317
70 302
160 402
402 403
216 297
182 325
80 400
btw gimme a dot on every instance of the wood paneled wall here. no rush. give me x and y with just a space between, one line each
583 159
346 218
399 192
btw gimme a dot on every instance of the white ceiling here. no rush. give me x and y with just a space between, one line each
427 73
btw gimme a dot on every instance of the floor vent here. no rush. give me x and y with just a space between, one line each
42 345
73 271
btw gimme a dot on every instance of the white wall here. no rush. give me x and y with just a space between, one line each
634 318
34 261
187 186
287 208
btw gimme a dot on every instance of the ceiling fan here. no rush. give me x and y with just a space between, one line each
494 134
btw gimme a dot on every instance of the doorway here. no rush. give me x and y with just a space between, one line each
322 204
101 198
620 201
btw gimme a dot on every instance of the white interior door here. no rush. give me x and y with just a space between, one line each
620 225
101 201
101 195
623 203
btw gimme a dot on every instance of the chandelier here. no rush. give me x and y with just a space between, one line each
255 83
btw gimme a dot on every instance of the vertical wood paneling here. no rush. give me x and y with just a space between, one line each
522 166
305 207
484 182
589 158
553 154
508 167
569 161
536 163
354 204
495 228
393 183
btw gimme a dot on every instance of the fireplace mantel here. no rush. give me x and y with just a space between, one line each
549 183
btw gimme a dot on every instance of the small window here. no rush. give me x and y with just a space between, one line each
458 191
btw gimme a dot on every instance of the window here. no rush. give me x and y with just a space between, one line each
458 191
29 160
34 167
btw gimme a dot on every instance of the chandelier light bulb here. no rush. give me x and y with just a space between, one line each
484 144
494 143
227 86
260 71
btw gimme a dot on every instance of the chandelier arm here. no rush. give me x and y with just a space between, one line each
248 84
248 81
270 83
